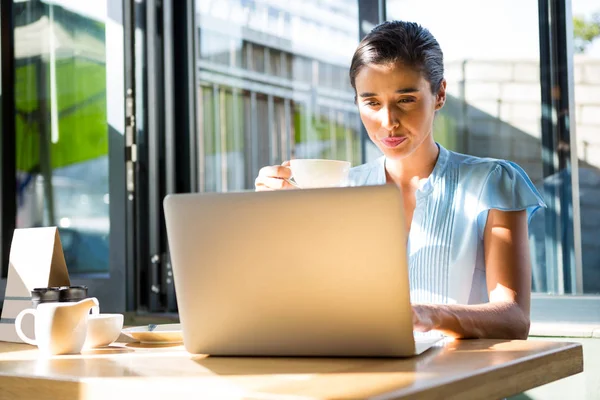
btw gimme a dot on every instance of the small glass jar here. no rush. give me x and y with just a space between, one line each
44 295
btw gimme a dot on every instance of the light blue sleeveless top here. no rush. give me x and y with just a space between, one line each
445 244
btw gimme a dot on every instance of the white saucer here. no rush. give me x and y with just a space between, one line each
160 334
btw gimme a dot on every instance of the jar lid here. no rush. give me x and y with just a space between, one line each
72 293
45 294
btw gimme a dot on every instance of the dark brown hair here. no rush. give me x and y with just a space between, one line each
405 42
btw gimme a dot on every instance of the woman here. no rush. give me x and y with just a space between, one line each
469 265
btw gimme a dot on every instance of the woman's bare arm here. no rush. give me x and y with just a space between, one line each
508 273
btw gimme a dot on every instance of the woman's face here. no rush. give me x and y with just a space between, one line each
397 107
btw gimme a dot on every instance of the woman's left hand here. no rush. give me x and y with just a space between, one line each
423 318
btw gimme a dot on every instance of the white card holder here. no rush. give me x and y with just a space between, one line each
36 261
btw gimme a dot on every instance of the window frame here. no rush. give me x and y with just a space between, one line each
565 309
556 71
8 197
112 287
370 14
559 144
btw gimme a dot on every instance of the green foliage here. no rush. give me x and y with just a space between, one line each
585 31
82 125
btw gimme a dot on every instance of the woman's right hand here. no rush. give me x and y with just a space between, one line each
274 177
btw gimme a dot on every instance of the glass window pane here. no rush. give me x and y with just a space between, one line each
247 121
586 24
1 111
274 62
258 58
61 127
215 47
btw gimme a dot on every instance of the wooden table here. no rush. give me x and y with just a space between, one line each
469 369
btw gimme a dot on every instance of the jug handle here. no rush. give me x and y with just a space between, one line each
18 323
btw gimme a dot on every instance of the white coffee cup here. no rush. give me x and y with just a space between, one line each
59 327
316 173
103 329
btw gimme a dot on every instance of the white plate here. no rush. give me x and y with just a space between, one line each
161 334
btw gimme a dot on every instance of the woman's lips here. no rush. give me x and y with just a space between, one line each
393 141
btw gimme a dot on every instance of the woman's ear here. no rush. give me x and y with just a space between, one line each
441 96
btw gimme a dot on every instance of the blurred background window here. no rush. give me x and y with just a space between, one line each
61 127
288 96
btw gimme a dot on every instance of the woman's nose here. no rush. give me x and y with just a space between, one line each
389 119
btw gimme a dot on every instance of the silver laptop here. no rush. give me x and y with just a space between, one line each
318 272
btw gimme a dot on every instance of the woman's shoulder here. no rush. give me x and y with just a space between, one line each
480 169
496 183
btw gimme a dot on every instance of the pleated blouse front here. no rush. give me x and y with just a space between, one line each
445 245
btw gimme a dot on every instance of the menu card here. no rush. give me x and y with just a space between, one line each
36 261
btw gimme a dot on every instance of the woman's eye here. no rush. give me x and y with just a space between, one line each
406 100
371 103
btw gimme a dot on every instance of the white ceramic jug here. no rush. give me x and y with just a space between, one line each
60 328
